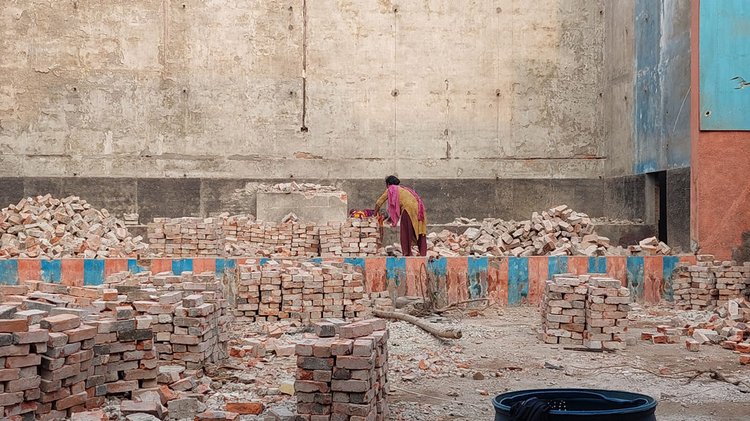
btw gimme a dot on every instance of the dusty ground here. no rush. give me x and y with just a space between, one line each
505 350
435 380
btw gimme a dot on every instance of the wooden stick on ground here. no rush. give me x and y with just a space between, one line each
440 332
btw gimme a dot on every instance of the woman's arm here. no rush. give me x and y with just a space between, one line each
383 197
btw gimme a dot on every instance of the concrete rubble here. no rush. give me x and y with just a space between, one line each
47 227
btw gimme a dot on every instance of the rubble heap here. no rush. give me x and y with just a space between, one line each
342 375
559 231
727 326
44 226
303 291
710 283
586 310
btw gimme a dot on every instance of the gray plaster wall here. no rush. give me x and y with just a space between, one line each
324 89
619 82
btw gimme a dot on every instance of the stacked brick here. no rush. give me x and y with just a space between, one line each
585 310
709 284
303 291
186 237
563 310
343 377
21 345
188 315
607 308
331 242
732 281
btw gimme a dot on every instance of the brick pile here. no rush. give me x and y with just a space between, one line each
586 310
563 310
21 345
44 226
343 377
607 308
242 235
709 283
186 237
187 313
305 291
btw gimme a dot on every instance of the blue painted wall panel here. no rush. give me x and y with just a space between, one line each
8 272
597 264
636 277
477 277
556 265
133 266
93 271
395 270
518 279
51 271
356 261
669 264
724 56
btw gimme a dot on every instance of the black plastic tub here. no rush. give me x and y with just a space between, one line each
582 404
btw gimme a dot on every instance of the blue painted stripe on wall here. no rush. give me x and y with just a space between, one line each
635 266
230 264
597 264
51 271
518 279
263 261
395 270
477 276
438 267
93 271
556 265
219 270
134 267
182 265
669 264
317 260
8 272
355 261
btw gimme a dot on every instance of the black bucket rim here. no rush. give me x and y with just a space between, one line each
649 406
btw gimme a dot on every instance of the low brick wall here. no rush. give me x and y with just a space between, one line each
506 281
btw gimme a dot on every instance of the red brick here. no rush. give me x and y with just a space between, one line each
81 333
742 347
7 374
355 363
14 350
25 361
216 416
33 336
71 401
659 338
23 384
14 325
306 386
122 386
245 408
7 399
97 415
745 359
60 323
355 330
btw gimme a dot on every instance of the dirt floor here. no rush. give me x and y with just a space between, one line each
438 380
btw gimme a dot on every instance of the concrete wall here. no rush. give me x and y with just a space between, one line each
619 77
662 119
345 89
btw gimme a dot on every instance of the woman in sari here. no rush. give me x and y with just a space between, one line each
405 205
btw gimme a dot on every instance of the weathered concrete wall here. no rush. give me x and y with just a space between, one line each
662 120
619 82
432 89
